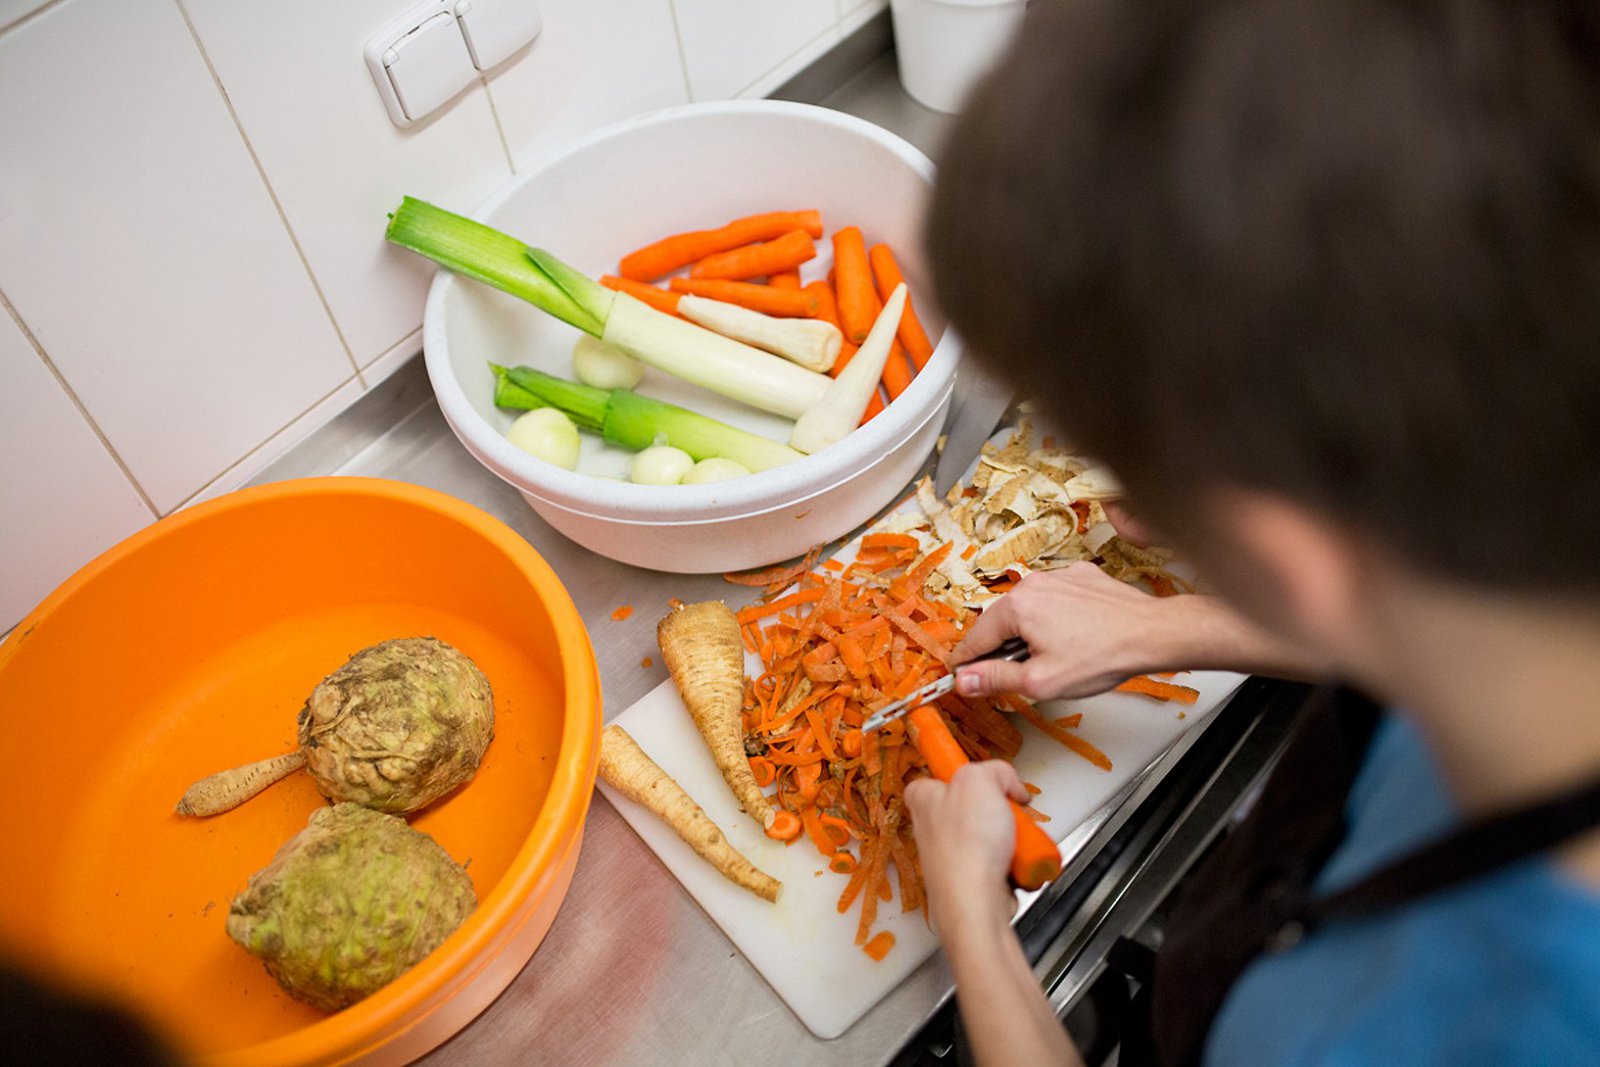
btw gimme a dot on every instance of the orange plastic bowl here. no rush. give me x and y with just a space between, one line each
190 647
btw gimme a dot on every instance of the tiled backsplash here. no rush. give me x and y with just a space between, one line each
192 196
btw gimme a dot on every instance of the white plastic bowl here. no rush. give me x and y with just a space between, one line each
625 186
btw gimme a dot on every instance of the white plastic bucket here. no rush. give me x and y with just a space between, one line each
945 45
624 186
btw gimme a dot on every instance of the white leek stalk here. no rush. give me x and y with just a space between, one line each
845 402
810 343
718 363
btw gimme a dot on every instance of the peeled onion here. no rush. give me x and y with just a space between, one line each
715 469
547 434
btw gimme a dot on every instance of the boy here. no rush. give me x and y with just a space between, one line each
1320 279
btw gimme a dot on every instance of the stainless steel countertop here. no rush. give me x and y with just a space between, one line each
632 971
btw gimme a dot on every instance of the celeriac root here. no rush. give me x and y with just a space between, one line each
228 789
626 768
701 647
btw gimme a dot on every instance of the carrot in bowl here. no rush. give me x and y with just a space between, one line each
758 260
886 272
783 303
670 253
659 299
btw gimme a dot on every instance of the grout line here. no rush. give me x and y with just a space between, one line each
834 29
413 332
236 464
272 194
494 113
683 56
72 395
29 17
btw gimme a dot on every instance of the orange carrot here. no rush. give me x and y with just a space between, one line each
1070 740
758 260
764 771
783 572
886 272
670 253
1159 690
879 946
659 299
785 826
1036 859
842 862
827 307
622 612
897 372
858 302
782 303
647 662
788 279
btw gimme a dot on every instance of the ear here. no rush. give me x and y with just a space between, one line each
1295 569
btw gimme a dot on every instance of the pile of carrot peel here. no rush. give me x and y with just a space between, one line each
846 640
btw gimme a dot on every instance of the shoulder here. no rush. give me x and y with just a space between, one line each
1506 971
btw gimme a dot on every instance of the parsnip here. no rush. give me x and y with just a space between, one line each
625 767
811 343
701 648
219 792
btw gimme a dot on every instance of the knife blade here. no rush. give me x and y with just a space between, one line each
987 399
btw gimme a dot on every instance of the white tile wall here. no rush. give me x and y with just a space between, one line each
140 246
12 11
335 161
595 62
192 196
853 14
55 476
729 44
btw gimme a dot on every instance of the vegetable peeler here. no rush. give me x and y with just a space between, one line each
1035 859
1013 650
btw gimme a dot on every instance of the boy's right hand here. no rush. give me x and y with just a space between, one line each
1086 632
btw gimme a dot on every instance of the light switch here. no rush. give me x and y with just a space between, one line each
428 66
422 59
420 62
496 29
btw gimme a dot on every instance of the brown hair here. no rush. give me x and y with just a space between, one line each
1343 250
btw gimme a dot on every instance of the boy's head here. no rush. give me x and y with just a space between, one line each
1339 255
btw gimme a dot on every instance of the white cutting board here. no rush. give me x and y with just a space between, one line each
801 945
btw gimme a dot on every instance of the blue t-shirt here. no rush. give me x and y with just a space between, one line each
1504 970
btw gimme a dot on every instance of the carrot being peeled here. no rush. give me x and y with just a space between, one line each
670 253
701 647
625 767
1036 860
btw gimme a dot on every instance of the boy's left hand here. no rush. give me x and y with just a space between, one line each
966 835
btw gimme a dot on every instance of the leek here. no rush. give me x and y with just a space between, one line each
494 258
637 422
735 370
